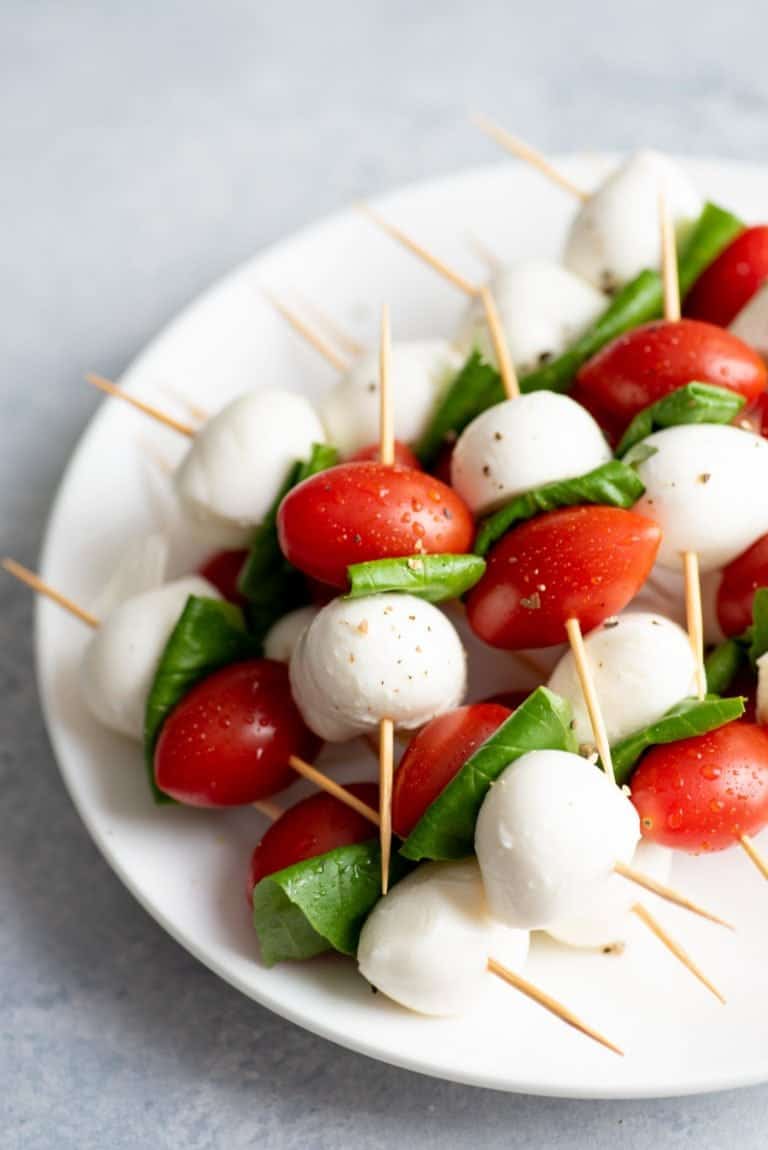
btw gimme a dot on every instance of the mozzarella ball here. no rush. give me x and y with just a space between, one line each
523 443
385 656
641 663
761 709
142 567
420 371
238 462
705 486
281 638
548 834
615 234
543 308
605 922
121 658
427 943
751 324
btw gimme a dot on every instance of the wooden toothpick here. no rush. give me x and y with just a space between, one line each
695 618
675 948
268 809
757 857
386 774
309 334
529 155
668 893
338 334
594 710
24 575
499 341
323 783
110 388
386 409
669 271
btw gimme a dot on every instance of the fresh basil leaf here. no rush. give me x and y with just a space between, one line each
210 634
715 229
272 586
477 387
721 665
639 453
758 632
431 577
687 718
613 484
446 830
694 403
321 903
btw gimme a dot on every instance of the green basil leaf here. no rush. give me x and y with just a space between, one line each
321 903
639 453
446 830
713 232
757 634
272 586
694 403
477 387
431 577
614 484
722 664
687 718
210 634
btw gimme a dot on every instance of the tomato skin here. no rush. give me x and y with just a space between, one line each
647 363
740 580
312 827
435 755
403 455
703 793
223 570
578 562
229 739
362 511
730 281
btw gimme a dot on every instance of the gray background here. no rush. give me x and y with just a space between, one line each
144 149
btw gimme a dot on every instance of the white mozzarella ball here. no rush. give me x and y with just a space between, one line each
420 371
384 656
762 690
426 944
239 460
548 834
704 487
523 443
142 567
281 638
641 663
543 308
121 658
751 324
615 234
606 920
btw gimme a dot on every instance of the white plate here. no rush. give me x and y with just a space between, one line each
188 867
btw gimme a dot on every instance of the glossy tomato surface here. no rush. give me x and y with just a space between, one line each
578 562
403 455
229 739
702 794
223 570
740 580
730 281
313 827
361 511
647 363
435 755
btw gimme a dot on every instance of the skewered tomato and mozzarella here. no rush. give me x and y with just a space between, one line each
732 280
238 461
427 944
615 234
524 443
384 656
578 562
362 511
420 371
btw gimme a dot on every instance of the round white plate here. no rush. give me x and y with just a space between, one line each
188 867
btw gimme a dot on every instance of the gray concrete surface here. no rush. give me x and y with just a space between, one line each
144 149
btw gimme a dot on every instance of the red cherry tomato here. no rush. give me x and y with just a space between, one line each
647 363
403 455
760 415
361 511
736 592
730 281
229 739
579 562
702 794
435 755
313 827
223 570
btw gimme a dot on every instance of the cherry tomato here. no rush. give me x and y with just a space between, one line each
741 578
578 562
760 414
730 281
223 570
403 455
313 827
702 794
435 755
229 739
361 511
442 466
647 363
